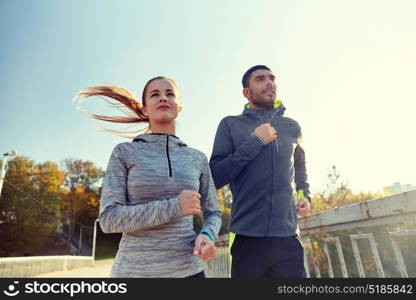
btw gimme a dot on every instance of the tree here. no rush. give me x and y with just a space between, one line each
335 183
82 173
337 193
83 180
82 189
29 205
225 199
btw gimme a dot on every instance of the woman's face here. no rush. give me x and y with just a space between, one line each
162 101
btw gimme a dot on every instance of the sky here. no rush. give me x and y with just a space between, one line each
345 70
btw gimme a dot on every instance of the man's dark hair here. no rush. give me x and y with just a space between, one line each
247 74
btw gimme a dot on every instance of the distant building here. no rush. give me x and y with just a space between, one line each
397 188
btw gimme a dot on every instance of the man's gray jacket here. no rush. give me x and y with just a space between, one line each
260 175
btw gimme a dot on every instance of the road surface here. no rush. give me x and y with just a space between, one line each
101 269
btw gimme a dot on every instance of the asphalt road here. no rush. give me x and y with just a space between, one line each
101 269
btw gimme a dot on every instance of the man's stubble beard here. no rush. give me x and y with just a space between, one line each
263 103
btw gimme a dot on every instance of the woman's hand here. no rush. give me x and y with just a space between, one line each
190 202
204 248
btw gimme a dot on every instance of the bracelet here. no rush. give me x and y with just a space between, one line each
208 234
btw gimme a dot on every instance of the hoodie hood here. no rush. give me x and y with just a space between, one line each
159 138
278 109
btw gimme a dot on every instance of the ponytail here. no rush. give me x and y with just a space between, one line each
125 102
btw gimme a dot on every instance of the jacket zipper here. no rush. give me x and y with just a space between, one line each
272 177
271 194
168 156
270 121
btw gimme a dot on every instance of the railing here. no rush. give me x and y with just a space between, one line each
375 238
13 267
219 267
35 265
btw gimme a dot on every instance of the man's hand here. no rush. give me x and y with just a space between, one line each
190 202
266 133
303 207
204 247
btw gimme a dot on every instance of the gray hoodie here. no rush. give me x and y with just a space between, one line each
139 199
260 176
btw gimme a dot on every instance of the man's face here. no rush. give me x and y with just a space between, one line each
261 90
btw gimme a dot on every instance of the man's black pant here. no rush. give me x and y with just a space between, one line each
259 257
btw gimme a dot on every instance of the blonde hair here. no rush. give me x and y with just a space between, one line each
125 102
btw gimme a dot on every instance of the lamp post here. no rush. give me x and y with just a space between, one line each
94 241
3 167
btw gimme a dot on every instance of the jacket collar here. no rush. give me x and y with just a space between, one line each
278 109
158 138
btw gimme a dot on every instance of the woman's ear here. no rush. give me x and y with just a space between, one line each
144 111
180 108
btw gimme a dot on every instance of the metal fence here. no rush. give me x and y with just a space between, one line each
374 238
219 267
13 267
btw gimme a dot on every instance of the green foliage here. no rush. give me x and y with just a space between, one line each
37 199
82 191
338 194
29 205
224 199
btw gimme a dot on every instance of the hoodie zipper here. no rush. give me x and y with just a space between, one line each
270 121
168 156
272 190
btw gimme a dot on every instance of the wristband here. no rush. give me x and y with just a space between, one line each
208 234
301 195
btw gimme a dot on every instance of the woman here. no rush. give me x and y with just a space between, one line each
152 188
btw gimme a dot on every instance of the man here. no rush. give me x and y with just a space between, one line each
256 153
